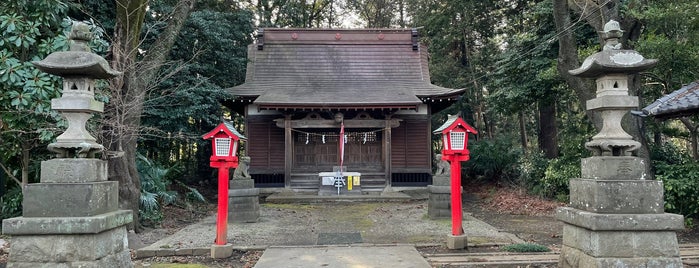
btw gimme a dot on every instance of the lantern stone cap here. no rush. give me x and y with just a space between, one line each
452 121
228 128
79 61
613 59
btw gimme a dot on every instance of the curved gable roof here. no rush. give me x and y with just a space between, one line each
338 68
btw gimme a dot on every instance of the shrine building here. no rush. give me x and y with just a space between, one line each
302 84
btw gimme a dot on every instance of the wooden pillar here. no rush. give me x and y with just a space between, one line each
387 150
287 151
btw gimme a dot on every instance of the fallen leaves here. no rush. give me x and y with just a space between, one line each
517 202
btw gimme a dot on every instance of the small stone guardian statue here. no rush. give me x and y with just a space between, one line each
241 173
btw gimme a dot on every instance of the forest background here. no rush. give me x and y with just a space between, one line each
511 56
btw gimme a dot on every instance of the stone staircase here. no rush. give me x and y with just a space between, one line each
689 253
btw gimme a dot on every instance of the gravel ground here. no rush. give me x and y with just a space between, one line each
313 224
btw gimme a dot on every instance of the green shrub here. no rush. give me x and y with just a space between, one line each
493 160
532 169
525 247
12 203
681 182
669 153
557 176
680 176
157 192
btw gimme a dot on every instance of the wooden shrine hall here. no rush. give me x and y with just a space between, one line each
301 84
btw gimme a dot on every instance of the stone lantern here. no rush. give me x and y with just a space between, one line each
616 217
72 217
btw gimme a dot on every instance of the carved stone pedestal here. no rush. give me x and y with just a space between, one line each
616 219
439 203
70 219
243 201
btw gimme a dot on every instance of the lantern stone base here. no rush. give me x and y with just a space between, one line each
609 240
98 241
616 218
221 251
457 241
70 219
243 201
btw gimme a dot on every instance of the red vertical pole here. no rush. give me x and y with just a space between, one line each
222 217
456 226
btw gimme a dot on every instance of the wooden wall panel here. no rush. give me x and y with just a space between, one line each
410 146
265 145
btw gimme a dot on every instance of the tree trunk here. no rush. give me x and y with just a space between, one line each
568 60
548 131
26 150
123 112
522 132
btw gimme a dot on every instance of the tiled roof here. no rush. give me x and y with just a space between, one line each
681 102
322 68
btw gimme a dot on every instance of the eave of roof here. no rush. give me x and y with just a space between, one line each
679 103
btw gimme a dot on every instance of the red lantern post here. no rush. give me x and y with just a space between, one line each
455 141
225 140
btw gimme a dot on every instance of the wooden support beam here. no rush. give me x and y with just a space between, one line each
288 146
387 149
349 123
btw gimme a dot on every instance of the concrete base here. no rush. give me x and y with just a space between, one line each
221 251
457 241
106 249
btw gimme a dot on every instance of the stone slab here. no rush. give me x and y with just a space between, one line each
63 248
621 243
613 168
78 170
609 102
66 225
241 184
342 257
620 222
573 258
77 104
70 199
617 196
122 259
244 192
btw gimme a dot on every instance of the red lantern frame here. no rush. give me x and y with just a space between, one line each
223 157
455 138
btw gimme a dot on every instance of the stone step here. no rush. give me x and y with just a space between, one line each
495 259
689 253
